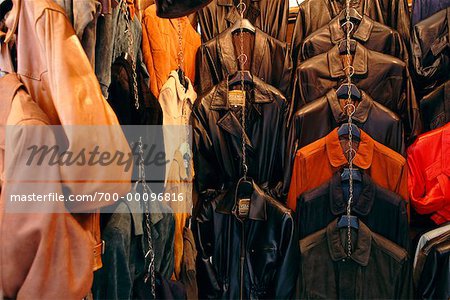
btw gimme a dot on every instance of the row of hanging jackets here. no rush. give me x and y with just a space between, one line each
310 152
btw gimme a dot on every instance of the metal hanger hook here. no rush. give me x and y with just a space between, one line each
352 70
351 153
352 26
352 106
242 7
243 58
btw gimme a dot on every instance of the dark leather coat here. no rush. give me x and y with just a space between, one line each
314 14
430 46
372 204
218 138
376 269
373 35
380 123
422 9
268 59
261 250
385 78
271 16
435 107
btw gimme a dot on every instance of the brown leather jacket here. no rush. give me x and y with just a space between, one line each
314 14
268 58
376 269
271 16
59 78
385 78
373 35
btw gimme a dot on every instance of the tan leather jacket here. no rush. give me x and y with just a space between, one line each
57 74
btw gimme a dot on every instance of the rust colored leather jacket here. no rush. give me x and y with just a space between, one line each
429 174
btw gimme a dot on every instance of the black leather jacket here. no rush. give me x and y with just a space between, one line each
268 59
430 46
218 138
435 107
271 16
253 258
314 14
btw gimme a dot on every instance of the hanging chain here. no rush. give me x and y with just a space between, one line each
129 32
350 110
150 255
180 46
242 61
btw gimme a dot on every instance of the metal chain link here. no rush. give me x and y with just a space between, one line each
141 165
129 32
350 110
150 255
180 46
242 61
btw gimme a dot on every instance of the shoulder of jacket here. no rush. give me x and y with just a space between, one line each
24 111
320 191
312 149
313 240
389 248
389 113
316 105
389 153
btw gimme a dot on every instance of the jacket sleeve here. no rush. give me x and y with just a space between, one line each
147 55
412 120
292 146
206 72
286 277
298 37
78 101
399 18
203 230
207 179
402 186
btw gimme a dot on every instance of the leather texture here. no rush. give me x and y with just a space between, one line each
30 242
429 174
271 16
422 9
161 47
374 259
316 163
372 204
218 139
385 78
371 34
268 59
380 123
314 14
430 46
252 258
435 107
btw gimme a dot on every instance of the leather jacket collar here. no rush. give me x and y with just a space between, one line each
257 210
227 51
260 94
336 66
364 153
362 110
363 204
360 254
362 32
